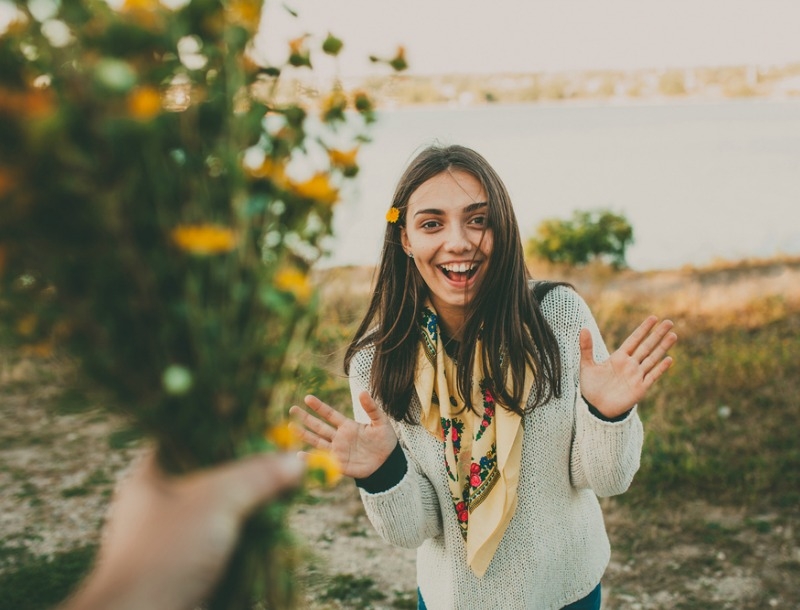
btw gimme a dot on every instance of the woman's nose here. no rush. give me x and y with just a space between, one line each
457 239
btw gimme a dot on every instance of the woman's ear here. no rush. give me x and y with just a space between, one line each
404 240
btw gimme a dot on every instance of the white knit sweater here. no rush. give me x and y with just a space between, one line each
555 549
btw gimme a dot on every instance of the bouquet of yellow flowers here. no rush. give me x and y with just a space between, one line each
160 209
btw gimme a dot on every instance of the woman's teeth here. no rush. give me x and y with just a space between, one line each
454 271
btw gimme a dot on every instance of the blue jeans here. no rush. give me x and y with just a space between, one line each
590 602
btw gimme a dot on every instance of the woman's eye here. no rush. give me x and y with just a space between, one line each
479 220
430 224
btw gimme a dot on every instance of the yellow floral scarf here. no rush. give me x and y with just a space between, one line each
482 451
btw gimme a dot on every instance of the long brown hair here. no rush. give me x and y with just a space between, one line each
505 312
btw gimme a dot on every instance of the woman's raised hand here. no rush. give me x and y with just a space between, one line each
359 448
615 385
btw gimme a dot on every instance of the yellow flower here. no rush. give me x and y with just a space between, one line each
317 187
325 464
43 349
140 5
40 103
34 103
144 103
16 26
297 45
343 158
246 13
204 239
298 52
269 169
335 102
146 13
27 324
285 437
295 282
392 215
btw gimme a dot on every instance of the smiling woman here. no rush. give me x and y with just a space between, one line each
498 415
448 238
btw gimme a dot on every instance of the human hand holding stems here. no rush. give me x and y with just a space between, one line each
169 538
359 448
615 385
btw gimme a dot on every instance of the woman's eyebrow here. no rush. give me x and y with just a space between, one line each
437 212
475 206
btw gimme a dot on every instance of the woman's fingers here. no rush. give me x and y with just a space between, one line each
656 372
312 430
587 347
375 413
658 351
325 411
653 341
648 343
318 431
630 344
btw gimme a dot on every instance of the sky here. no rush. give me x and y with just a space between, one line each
471 36
490 36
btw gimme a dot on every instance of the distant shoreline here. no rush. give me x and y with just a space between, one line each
595 87
593 103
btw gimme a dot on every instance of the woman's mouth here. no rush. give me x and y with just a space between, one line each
459 272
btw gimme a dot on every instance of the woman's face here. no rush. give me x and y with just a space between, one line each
446 231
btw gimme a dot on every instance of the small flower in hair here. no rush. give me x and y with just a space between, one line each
392 215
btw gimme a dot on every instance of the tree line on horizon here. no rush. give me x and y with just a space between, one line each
726 82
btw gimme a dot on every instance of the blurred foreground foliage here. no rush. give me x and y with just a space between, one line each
160 210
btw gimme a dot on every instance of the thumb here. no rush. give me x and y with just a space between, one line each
587 348
375 413
252 481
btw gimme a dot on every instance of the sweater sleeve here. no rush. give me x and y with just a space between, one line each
407 513
605 454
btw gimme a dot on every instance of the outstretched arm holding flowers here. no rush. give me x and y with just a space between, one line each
169 538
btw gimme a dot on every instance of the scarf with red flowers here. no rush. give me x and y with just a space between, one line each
483 450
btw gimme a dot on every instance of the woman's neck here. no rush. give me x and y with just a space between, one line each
450 328
451 345
451 319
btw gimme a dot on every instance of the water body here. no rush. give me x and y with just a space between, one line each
698 181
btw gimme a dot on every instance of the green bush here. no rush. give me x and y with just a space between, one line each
587 236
